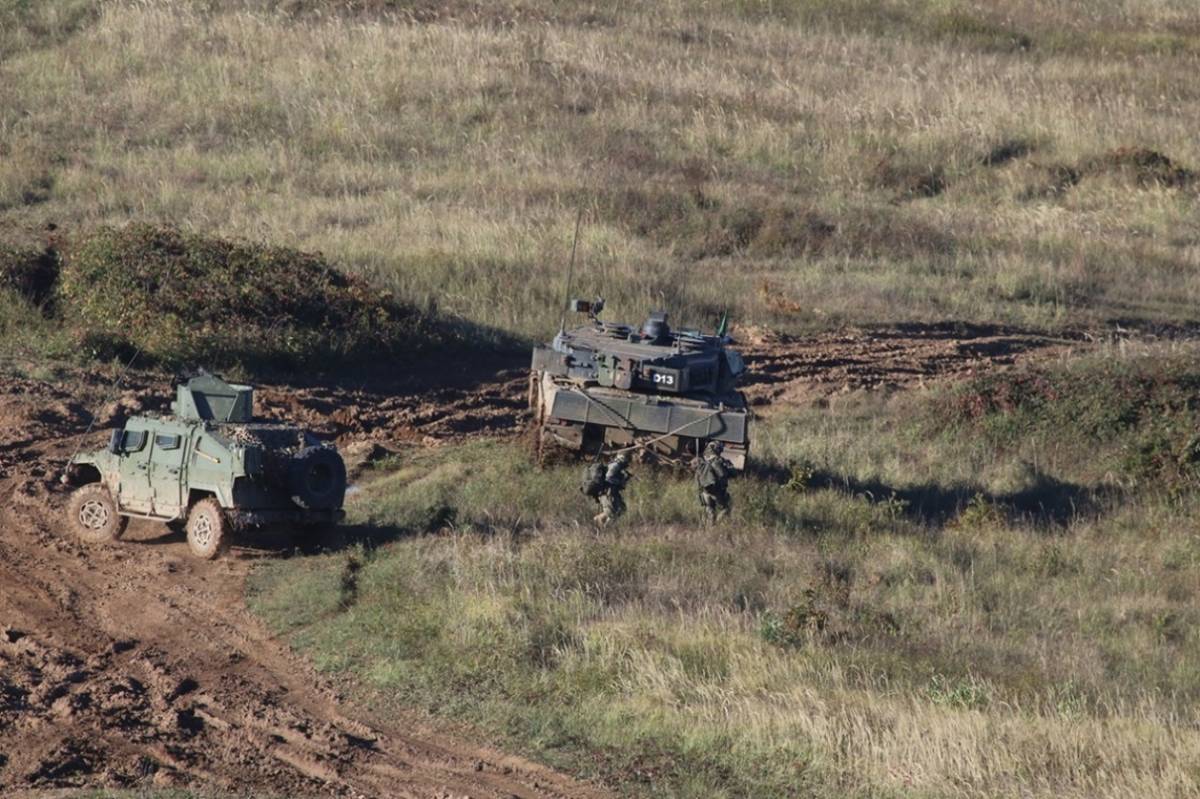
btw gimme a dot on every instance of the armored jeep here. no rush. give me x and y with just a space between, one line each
668 392
210 466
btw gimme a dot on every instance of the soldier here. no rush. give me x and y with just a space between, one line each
612 504
712 478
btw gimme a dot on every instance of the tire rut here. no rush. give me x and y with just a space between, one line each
150 671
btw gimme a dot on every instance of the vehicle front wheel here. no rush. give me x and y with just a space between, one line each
208 529
93 515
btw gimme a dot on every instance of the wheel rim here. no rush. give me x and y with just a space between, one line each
93 515
202 532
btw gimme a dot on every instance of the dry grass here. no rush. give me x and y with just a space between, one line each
876 161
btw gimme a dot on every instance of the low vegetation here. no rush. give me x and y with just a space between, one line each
807 163
178 298
181 297
904 610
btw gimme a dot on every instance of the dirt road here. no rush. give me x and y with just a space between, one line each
135 664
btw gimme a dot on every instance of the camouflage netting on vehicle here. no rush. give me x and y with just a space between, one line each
185 298
279 443
276 437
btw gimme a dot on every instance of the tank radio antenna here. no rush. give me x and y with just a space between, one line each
723 325
562 324
111 395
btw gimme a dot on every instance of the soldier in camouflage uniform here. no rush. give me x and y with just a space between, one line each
612 504
712 478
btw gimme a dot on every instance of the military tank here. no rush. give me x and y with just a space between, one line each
210 466
605 386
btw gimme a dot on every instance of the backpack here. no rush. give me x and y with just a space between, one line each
593 484
712 474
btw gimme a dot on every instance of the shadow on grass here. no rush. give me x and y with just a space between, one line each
1046 501
288 542
280 542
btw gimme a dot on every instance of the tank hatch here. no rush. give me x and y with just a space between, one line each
655 329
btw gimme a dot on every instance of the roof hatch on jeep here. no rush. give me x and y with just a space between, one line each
209 398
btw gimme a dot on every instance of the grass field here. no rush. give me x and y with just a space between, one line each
983 590
899 614
869 161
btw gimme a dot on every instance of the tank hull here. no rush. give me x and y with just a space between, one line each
591 418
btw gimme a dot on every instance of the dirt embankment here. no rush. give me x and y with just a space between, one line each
135 664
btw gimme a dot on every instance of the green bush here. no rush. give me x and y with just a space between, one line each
184 298
1131 418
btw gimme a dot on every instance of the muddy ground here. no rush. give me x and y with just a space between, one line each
134 664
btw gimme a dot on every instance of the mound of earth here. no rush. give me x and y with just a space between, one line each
1145 166
182 298
1136 166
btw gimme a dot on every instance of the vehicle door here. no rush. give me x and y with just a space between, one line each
167 469
133 490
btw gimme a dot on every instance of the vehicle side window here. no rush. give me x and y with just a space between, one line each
166 442
133 440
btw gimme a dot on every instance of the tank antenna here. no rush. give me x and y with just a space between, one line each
111 395
562 324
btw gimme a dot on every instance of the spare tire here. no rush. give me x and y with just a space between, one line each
317 478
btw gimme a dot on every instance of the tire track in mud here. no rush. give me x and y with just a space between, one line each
133 665
794 370
782 371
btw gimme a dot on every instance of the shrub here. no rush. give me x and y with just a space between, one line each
1135 417
180 298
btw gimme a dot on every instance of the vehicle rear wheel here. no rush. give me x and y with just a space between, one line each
93 515
208 529
317 478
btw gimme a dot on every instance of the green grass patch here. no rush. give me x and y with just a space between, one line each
1131 419
180 298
